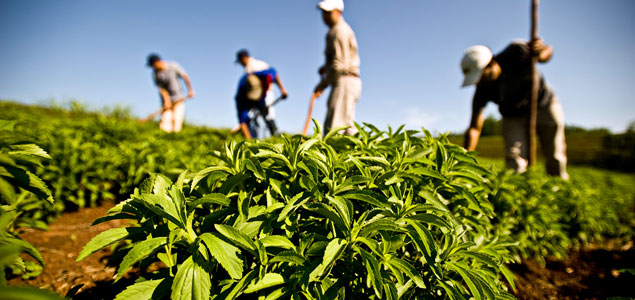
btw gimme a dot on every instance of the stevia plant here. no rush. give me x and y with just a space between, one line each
23 197
384 215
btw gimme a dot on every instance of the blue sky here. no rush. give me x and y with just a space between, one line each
95 51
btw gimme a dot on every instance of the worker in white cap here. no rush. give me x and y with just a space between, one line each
252 65
505 79
340 69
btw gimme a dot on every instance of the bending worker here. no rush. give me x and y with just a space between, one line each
252 90
505 79
166 77
340 69
252 65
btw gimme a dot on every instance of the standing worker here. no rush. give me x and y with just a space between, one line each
166 77
253 65
505 79
340 69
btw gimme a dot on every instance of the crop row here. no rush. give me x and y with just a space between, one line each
386 214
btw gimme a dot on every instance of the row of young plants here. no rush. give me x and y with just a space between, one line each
383 215
99 157
22 194
528 215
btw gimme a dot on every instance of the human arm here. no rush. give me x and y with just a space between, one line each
542 51
283 91
473 133
341 56
190 91
245 130
165 96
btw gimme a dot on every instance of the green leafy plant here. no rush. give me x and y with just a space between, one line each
22 196
386 215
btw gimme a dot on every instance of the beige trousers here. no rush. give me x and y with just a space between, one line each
550 131
345 93
172 119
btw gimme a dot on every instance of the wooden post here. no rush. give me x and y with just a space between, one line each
535 82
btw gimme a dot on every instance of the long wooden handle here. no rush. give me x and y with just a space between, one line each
533 113
160 111
308 117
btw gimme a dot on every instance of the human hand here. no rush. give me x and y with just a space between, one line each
284 93
190 94
537 45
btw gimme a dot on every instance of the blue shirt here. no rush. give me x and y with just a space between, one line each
243 105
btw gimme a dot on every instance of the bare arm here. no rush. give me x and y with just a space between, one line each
190 91
282 90
245 130
542 50
474 131
165 96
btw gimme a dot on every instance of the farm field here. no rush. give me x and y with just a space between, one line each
581 148
389 214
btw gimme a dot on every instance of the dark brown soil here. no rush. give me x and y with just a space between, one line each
592 273
61 245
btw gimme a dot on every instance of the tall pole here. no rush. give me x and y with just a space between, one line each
533 114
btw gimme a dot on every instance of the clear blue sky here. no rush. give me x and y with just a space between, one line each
95 51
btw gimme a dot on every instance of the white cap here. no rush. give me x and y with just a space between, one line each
474 61
329 5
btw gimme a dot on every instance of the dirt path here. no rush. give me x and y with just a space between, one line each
61 245
592 273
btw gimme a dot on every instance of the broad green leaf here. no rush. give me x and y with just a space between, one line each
225 253
269 280
240 285
214 198
291 206
102 240
162 206
26 292
509 276
426 172
276 156
28 149
430 219
237 237
191 282
423 239
368 197
331 214
146 290
277 241
344 208
140 251
206 172
333 251
373 273
27 248
232 181
30 182
289 257
384 224
407 268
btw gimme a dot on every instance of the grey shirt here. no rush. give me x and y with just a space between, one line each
512 90
168 79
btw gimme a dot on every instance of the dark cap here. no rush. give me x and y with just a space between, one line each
152 58
241 53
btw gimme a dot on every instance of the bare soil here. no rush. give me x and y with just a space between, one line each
591 273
